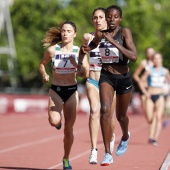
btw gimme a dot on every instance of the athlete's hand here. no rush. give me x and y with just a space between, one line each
85 48
108 37
46 78
80 71
73 61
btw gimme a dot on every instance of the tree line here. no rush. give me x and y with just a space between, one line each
147 19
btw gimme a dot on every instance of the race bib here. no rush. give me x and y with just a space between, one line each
95 60
62 64
109 53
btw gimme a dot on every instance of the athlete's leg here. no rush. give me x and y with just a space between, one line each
143 99
113 136
159 108
94 121
55 107
70 111
106 99
150 117
122 103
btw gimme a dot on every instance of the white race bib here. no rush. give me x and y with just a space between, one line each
62 64
109 53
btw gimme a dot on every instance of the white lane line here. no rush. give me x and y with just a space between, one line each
20 132
59 136
73 158
166 163
30 144
132 131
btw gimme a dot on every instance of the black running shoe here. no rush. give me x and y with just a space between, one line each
59 126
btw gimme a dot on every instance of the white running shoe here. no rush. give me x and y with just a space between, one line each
108 159
93 157
112 143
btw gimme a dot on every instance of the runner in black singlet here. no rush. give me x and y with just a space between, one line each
116 48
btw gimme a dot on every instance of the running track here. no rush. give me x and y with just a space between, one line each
28 142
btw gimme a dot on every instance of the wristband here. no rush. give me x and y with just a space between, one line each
80 63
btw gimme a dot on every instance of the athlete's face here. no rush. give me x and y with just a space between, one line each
149 53
113 18
67 33
99 20
157 60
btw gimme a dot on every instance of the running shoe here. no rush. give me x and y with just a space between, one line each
112 143
165 123
155 143
93 157
107 160
59 126
152 142
122 147
66 165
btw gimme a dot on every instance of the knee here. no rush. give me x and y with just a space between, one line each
121 118
150 121
94 112
68 131
159 118
104 109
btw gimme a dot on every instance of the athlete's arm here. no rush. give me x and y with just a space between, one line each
84 49
85 66
138 71
144 78
49 53
130 50
167 74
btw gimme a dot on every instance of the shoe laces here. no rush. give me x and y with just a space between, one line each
93 153
122 145
66 163
107 157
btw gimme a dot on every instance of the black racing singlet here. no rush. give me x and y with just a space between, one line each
110 54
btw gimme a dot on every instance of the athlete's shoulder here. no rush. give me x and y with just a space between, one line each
143 63
125 30
165 69
51 49
76 48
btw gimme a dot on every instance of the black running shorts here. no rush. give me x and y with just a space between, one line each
121 83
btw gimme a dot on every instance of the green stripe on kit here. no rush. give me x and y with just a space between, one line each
75 50
57 48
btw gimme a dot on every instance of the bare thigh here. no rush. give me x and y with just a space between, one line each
55 107
93 97
159 107
150 106
70 110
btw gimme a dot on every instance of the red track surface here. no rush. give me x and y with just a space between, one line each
27 141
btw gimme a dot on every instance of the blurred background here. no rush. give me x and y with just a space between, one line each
23 24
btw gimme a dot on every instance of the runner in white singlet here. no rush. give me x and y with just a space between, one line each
116 48
143 66
63 95
92 86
